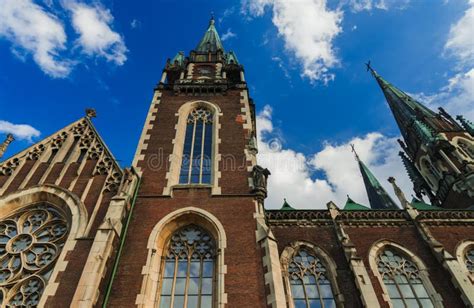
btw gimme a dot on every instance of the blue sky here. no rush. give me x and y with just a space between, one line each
304 63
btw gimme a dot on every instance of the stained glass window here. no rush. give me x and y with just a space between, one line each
188 270
402 280
469 259
31 240
310 286
196 164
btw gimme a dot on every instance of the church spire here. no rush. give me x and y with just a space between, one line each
378 197
406 110
211 41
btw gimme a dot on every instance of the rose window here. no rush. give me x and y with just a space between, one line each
31 240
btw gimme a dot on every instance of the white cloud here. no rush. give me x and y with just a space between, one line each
96 37
20 131
461 37
228 35
293 173
308 28
457 97
135 23
357 6
34 31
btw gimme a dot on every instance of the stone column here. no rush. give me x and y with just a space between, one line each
356 264
103 247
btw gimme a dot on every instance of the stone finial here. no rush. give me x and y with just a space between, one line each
260 176
91 113
4 145
398 192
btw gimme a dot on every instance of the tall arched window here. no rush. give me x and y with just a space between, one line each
309 281
31 240
196 163
402 280
188 270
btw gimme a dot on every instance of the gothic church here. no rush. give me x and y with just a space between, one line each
185 225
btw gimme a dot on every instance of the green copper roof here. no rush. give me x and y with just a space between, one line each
231 58
353 206
401 97
378 197
179 58
286 206
211 41
420 205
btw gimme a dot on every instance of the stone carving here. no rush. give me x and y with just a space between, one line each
113 182
4 145
36 152
260 176
31 241
91 113
127 180
103 166
59 140
9 167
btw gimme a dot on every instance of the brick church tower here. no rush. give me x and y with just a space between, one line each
192 236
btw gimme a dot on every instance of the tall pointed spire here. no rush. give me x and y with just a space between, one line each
211 41
405 109
4 145
378 197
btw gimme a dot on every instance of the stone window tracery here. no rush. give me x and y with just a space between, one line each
196 162
309 281
402 280
469 259
188 270
31 240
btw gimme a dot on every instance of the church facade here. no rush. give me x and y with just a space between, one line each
186 226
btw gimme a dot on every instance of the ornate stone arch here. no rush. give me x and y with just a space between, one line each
378 247
175 159
465 147
330 265
159 236
69 203
462 251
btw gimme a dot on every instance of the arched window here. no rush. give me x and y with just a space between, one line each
430 173
469 259
402 280
309 281
196 163
31 240
188 270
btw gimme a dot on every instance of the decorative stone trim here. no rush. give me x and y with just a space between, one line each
150 119
59 197
460 256
356 264
331 272
172 175
149 293
102 250
271 260
377 248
